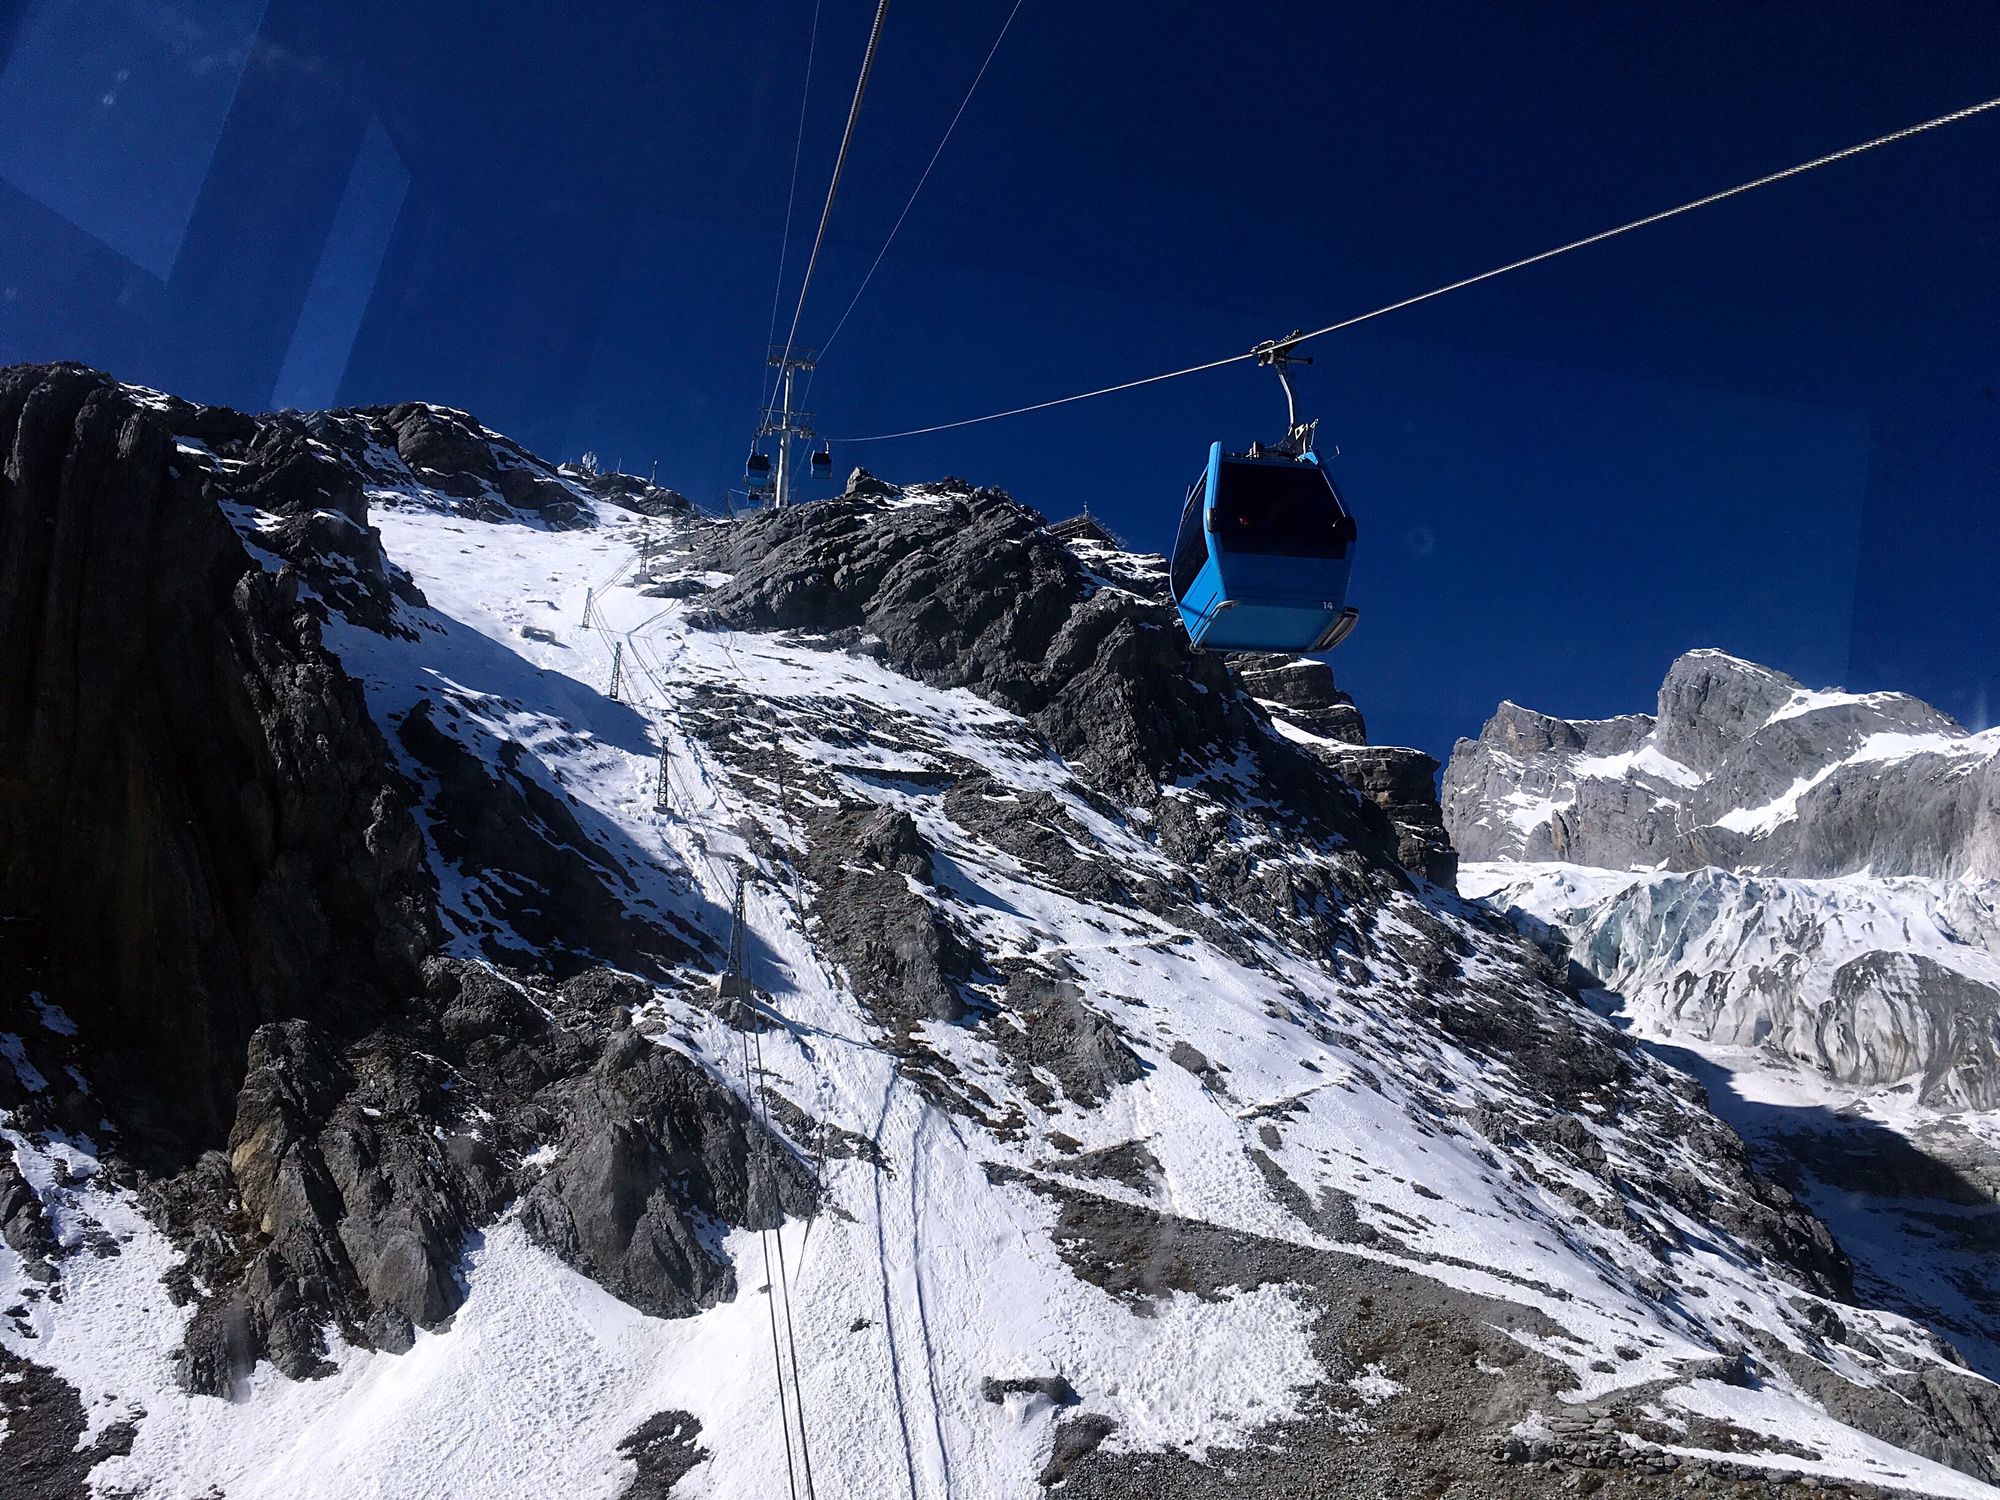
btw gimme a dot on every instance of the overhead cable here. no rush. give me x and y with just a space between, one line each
991 52
839 165
1593 239
750 1084
792 193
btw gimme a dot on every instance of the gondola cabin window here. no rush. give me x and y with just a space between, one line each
1281 510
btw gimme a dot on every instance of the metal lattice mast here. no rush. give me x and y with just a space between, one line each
736 931
735 985
783 421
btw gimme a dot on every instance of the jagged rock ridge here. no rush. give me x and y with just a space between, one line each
212 858
1741 767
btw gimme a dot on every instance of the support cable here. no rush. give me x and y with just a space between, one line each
773 1290
754 1087
839 165
784 1279
792 193
798 1458
770 1290
1593 239
754 1091
991 52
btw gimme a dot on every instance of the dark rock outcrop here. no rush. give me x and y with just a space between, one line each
194 801
1403 783
1048 1027
499 1031
358 1176
652 1151
629 492
24 1227
1039 830
44 1453
1302 690
1299 693
906 961
664 1450
864 485
449 450
310 490
973 591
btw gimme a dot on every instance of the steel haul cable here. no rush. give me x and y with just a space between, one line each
751 1090
792 193
771 1290
991 52
1593 239
839 165
784 1279
754 1093
650 672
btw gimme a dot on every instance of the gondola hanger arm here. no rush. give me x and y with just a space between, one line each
1280 355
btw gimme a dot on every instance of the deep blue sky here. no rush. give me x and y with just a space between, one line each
1769 426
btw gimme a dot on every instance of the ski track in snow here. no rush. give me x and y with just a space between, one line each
931 1278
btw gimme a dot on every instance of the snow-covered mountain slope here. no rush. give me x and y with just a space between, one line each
1130 1118
1871 982
1848 1028
1741 767
1848 1024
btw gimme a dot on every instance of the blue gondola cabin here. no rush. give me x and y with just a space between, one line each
1263 554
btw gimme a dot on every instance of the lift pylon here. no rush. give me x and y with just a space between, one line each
783 422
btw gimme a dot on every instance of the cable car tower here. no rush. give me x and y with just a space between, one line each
785 423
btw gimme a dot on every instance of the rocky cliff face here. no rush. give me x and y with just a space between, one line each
196 802
1098 1096
1787 889
1741 767
215 858
1771 798
1306 707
